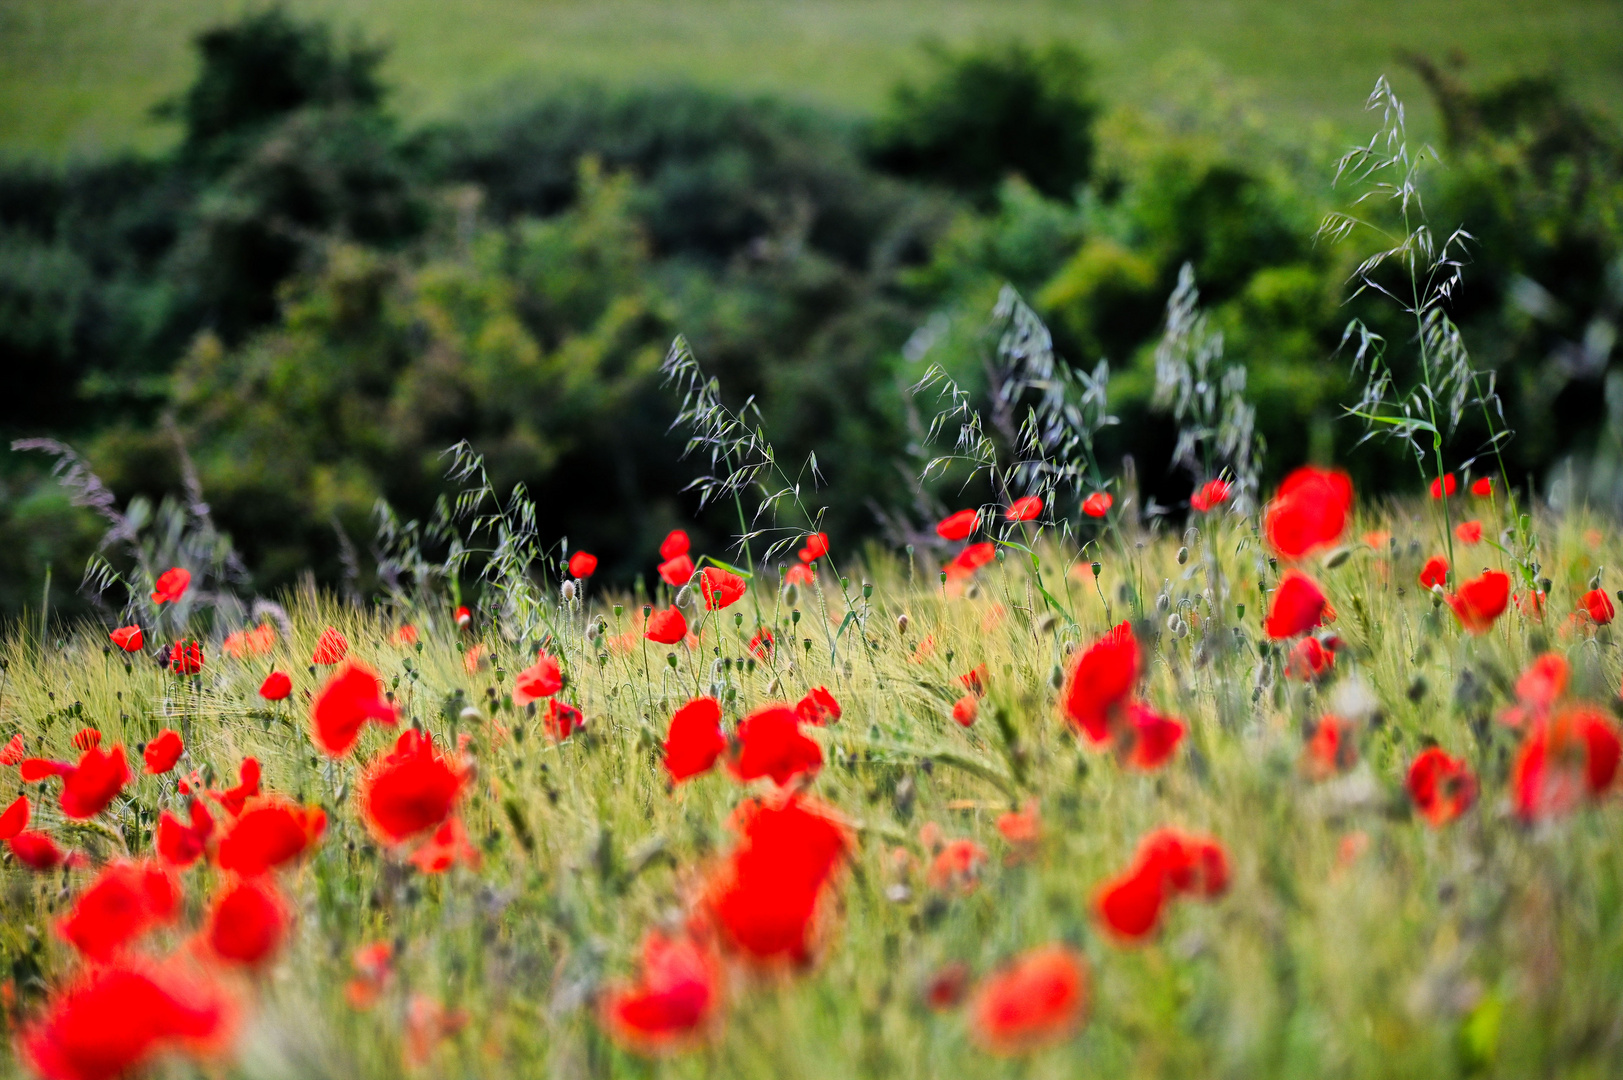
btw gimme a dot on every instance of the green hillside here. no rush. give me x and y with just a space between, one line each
80 75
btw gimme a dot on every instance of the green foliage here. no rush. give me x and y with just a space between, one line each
990 112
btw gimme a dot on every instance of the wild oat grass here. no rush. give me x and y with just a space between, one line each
1354 940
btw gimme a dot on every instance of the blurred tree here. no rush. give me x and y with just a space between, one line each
989 112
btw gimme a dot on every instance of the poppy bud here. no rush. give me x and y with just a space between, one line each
1183 555
901 623
684 596
567 591
791 594
1162 602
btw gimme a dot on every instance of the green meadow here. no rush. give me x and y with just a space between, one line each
78 76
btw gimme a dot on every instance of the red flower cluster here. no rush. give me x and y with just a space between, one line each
767 897
1098 701
676 566
1169 864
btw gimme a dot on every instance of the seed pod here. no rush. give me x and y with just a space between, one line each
1094 566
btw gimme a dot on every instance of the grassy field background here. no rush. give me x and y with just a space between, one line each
78 76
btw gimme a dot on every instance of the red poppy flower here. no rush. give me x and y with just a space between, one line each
582 565
560 720
410 790
1442 787
1331 749
171 585
350 697
247 923
276 687
36 850
15 818
770 744
1098 504
1021 827
957 866
233 799
1024 509
186 658
1480 601
1039 999
126 900
1168 864
815 548
14 751
448 847
540 680
1212 493
767 896
255 642
760 645
269 833
666 627
1309 660
958 526
1308 512
332 648
162 752
1153 738
464 617
1469 532
180 845
818 707
1298 606
89 786
373 967
86 739
1562 760
128 638
676 997
975 680
1598 606
694 740
1434 573
428 1023
676 572
1447 485
1537 690
1482 487
971 559
1101 684
675 543
404 635
113 1021
800 574
947 986
966 709
721 588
